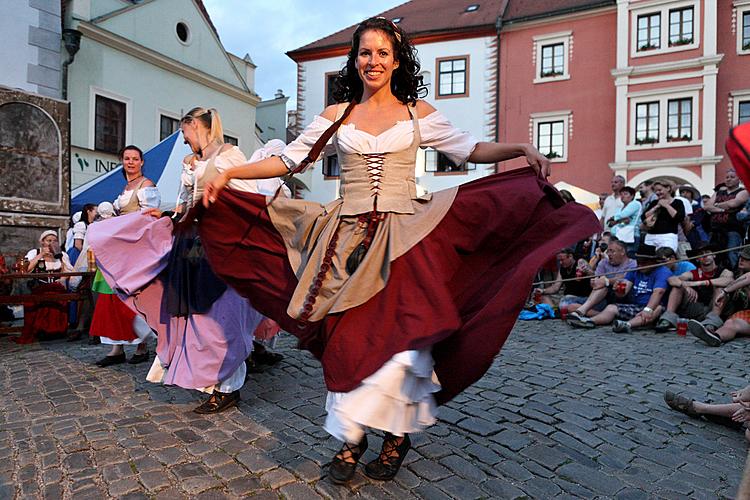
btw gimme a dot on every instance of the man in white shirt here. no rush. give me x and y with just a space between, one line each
613 204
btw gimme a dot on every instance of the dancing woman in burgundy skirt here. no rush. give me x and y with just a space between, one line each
405 300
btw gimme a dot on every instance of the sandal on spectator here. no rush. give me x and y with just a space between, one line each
697 329
664 326
681 404
576 315
581 323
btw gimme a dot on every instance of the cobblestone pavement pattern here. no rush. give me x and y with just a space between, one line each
562 413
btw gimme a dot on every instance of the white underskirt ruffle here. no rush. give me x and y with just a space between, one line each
398 398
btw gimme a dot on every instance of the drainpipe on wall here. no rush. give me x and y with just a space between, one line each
498 27
72 41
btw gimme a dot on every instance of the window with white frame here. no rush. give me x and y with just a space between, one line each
437 162
664 118
647 122
228 139
551 139
743 29
551 54
167 126
743 112
109 124
331 168
553 60
453 76
550 134
665 27
680 119
649 32
681 26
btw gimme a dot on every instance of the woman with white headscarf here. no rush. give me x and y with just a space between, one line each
47 318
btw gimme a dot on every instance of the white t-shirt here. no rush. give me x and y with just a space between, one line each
611 206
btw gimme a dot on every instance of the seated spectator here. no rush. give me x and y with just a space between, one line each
644 291
731 304
47 318
609 273
568 269
669 258
625 223
692 293
6 313
733 414
662 216
600 250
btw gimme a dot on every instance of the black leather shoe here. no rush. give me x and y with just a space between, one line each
342 471
111 360
386 466
94 341
138 358
73 337
218 402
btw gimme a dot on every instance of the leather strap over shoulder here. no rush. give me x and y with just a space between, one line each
323 140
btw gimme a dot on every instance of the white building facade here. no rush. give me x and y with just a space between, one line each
141 66
463 60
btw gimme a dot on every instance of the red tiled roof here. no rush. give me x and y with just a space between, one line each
518 10
422 17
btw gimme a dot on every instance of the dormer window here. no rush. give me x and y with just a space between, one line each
397 20
472 8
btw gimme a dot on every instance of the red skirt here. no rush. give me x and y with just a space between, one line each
47 318
458 291
112 319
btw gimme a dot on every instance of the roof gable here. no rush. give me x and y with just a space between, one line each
421 17
153 25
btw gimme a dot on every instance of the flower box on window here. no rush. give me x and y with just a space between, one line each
647 46
547 74
681 41
552 155
746 46
678 138
646 140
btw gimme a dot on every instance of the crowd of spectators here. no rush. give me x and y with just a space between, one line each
669 257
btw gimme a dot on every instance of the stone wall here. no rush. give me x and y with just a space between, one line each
34 168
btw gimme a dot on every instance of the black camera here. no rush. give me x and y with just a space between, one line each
603 247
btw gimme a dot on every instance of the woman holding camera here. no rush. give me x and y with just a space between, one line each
661 218
46 318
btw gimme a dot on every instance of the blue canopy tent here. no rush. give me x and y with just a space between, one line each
162 164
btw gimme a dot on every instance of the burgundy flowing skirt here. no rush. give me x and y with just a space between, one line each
112 319
458 291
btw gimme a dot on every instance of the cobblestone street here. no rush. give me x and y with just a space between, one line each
562 413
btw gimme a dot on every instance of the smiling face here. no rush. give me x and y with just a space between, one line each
661 192
375 61
132 163
190 133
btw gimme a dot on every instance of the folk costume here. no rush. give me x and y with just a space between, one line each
47 318
113 321
204 328
405 299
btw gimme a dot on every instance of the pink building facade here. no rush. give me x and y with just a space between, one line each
640 88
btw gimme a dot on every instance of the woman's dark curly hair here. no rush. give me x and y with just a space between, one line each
406 83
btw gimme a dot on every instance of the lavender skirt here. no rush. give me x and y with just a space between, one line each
198 350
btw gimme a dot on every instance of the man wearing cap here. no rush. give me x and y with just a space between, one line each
572 276
644 290
692 293
733 304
